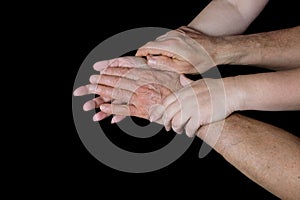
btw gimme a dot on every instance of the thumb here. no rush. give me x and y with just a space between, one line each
160 62
184 80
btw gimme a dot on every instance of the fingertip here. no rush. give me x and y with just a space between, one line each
151 60
94 79
89 105
139 53
100 116
118 118
142 52
95 118
95 66
167 128
155 112
80 91
177 130
112 121
189 134
101 65
105 108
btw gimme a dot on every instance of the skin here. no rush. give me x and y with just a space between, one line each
185 51
253 92
199 103
138 87
276 50
217 17
216 99
266 154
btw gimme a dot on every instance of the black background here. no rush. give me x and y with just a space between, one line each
70 32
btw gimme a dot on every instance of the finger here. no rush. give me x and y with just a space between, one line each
153 50
156 112
115 81
117 118
159 109
100 116
184 80
170 99
124 110
92 104
84 90
116 71
178 123
192 126
115 93
169 113
129 73
128 61
161 63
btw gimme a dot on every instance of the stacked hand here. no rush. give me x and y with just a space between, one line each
185 51
199 103
130 86
154 89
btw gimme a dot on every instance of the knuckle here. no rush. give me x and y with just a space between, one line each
115 93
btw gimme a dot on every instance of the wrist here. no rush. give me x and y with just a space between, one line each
236 50
234 94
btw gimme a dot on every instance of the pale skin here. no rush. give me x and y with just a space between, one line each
267 155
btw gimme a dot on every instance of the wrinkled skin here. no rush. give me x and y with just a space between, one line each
131 87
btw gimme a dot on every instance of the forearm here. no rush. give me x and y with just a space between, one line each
227 17
274 91
267 155
277 50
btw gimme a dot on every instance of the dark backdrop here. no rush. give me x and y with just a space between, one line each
82 26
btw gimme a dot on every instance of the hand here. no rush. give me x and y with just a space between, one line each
129 62
185 51
202 102
134 90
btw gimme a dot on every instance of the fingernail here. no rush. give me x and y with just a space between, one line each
151 61
75 93
112 120
103 108
93 78
190 135
79 91
95 118
88 106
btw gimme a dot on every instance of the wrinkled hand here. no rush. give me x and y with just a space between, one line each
131 86
202 102
185 51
